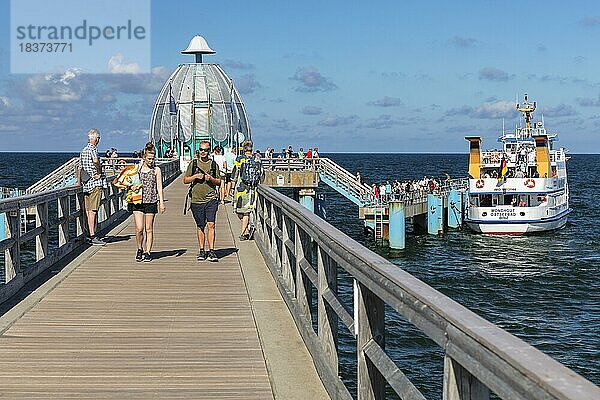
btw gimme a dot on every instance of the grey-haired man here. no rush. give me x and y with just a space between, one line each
92 187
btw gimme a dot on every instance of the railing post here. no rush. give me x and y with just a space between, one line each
41 241
274 251
259 217
82 227
328 319
303 289
12 256
63 217
459 384
286 268
371 326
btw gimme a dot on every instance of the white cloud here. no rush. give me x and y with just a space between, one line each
487 110
336 120
65 87
311 80
386 101
117 65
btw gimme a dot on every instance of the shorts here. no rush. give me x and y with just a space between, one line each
146 208
205 212
92 199
228 177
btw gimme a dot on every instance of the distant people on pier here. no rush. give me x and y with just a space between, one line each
91 177
358 177
247 174
221 161
309 153
315 153
301 153
230 157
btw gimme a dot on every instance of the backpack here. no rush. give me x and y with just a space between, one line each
250 172
195 169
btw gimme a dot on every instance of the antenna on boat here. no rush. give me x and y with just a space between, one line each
527 108
503 130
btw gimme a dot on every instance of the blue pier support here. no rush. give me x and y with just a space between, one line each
2 227
307 199
397 227
435 214
455 209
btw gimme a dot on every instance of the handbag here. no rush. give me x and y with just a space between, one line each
84 177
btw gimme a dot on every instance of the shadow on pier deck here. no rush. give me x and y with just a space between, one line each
108 327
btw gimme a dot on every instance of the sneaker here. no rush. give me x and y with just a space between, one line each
139 256
147 257
212 256
244 237
202 255
97 241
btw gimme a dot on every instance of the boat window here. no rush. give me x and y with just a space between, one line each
474 200
494 200
485 200
508 200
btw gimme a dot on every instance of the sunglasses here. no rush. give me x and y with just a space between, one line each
202 149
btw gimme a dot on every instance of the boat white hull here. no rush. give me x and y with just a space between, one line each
516 228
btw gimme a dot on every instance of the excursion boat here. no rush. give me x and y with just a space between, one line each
521 188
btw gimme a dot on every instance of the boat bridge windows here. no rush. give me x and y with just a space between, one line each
515 200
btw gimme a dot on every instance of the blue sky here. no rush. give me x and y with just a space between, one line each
381 76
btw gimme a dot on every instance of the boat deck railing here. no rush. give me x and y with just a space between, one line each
65 207
310 259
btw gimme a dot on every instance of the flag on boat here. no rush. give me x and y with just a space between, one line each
172 105
503 171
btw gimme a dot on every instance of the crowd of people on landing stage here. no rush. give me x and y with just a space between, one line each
386 191
289 153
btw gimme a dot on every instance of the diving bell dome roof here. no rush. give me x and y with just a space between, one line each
198 45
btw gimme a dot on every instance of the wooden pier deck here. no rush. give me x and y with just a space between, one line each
108 327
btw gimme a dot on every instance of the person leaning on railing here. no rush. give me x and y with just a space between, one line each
91 177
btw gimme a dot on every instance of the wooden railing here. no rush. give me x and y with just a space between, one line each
305 253
69 203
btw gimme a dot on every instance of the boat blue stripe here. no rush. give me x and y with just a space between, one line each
524 221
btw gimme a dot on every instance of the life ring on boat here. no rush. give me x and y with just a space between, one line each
479 184
530 183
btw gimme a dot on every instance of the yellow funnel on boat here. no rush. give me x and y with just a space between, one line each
474 156
542 155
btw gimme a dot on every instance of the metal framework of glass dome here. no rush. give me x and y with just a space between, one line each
198 102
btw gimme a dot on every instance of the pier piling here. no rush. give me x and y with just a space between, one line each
455 214
397 225
435 215
307 199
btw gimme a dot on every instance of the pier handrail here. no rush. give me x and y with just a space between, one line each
69 208
57 178
304 253
343 178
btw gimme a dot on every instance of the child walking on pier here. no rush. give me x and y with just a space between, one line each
152 202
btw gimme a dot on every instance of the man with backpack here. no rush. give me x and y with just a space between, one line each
247 175
203 177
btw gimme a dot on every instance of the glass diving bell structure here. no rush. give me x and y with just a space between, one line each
198 102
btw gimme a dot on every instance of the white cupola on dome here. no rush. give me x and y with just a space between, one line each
198 46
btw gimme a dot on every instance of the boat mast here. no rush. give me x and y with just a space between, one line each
527 108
